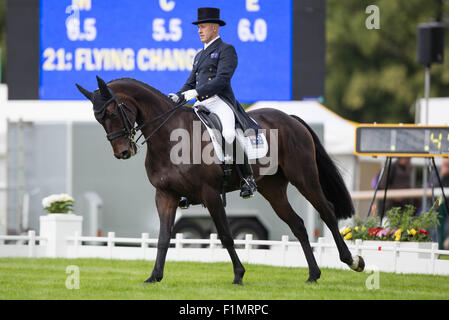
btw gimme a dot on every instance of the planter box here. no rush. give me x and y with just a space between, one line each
380 255
56 227
380 245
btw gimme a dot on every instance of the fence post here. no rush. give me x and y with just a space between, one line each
179 245
31 243
358 244
396 256
284 249
76 244
213 238
111 236
434 256
144 244
248 246
321 241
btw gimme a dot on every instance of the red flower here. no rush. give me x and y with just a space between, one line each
374 231
423 231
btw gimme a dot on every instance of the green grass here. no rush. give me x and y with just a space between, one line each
22 278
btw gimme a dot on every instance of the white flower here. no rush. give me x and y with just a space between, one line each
62 197
65 197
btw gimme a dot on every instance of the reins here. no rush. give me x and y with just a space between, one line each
171 112
128 128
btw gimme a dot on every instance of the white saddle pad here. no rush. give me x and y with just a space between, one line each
255 146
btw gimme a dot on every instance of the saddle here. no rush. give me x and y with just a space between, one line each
254 145
210 119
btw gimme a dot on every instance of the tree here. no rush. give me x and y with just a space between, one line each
373 74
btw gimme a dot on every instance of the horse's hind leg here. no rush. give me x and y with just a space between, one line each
274 189
216 209
309 186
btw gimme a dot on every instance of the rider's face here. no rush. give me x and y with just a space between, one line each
207 31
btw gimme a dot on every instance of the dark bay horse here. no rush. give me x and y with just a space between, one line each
121 104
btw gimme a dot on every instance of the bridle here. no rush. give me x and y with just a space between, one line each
128 127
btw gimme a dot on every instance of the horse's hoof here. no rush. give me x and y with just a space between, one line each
151 280
358 264
312 280
238 282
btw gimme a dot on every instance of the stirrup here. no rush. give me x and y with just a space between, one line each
184 203
248 188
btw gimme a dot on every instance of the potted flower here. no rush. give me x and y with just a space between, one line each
59 223
401 226
58 203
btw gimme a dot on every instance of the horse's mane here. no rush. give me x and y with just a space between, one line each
147 86
153 90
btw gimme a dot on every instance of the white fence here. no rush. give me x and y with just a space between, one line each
396 257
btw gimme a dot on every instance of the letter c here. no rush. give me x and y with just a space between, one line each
167 5
263 309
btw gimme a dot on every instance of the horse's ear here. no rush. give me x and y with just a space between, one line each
89 95
103 88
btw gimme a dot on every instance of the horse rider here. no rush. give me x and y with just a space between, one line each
210 83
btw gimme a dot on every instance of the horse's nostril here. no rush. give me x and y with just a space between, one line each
125 154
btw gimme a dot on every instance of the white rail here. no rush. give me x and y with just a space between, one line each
19 249
382 256
397 193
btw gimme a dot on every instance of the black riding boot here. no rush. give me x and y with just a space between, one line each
248 184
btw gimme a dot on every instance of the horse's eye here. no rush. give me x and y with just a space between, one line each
112 116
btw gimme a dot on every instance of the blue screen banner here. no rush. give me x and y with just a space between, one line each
154 41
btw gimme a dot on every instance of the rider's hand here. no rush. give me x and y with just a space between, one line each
174 97
190 94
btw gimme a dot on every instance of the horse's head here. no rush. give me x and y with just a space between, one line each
116 117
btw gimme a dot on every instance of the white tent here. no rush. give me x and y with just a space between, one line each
438 114
33 110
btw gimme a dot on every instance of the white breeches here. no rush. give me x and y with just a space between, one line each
225 113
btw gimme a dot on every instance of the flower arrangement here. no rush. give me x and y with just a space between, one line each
58 203
401 225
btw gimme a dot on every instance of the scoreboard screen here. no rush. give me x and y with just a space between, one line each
154 41
402 140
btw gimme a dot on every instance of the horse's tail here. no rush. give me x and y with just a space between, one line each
331 181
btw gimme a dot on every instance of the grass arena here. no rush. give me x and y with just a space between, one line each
240 150
102 279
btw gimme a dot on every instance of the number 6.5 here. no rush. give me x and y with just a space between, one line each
73 26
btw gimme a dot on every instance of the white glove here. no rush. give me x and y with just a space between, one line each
190 94
174 97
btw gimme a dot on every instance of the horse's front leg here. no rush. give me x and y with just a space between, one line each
216 209
166 204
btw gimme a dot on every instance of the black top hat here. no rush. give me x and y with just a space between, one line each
211 15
